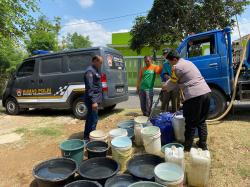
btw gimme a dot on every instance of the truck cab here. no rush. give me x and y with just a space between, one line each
211 52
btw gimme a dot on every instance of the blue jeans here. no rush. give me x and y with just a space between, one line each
91 119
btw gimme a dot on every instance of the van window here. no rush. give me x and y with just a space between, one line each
201 47
51 65
115 61
26 69
79 62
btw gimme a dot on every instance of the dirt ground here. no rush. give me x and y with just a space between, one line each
41 131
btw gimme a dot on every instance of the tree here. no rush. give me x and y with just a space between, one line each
75 41
44 35
172 20
15 17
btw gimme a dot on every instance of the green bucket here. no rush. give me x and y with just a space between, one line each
73 149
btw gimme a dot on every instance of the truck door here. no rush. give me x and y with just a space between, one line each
202 51
24 85
51 82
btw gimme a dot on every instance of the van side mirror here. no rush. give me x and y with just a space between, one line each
13 75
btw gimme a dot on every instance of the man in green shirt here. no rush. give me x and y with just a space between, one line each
145 84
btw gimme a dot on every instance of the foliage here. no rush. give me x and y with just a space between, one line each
15 17
172 20
76 41
44 35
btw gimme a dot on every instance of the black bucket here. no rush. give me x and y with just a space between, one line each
142 166
97 149
98 169
84 183
55 172
123 180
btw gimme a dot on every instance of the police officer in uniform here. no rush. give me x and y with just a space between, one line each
93 94
188 78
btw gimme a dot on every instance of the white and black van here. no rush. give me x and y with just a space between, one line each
55 80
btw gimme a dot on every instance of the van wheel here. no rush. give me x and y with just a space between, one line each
12 107
79 108
218 104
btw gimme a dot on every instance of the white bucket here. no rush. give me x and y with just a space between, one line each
137 131
98 135
122 151
117 133
151 137
169 174
179 127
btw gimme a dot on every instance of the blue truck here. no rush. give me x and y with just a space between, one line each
212 53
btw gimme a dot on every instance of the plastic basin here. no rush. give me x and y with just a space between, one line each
84 183
120 181
146 184
55 172
98 169
142 166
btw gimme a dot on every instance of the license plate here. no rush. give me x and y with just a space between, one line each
119 90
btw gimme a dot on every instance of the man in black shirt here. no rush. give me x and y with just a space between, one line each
93 94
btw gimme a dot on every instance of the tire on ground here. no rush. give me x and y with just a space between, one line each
79 108
218 104
12 107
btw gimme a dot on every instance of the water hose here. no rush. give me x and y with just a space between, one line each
234 86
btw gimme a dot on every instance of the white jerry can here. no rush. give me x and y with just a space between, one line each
179 126
198 173
175 155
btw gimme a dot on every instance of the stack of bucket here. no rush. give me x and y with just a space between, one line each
121 151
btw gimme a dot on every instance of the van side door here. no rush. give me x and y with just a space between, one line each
24 85
51 81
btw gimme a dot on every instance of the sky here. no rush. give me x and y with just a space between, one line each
91 17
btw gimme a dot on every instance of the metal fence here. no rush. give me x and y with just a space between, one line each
133 65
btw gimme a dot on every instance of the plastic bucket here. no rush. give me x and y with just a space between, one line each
169 174
122 151
73 149
169 145
119 132
151 137
146 184
97 149
84 183
129 126
98 135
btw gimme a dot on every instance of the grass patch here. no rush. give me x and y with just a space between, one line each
244 172
48 131
21 130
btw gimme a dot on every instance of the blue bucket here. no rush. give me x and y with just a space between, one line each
164 122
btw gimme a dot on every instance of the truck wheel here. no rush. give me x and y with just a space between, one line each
12 107
218 104
79 108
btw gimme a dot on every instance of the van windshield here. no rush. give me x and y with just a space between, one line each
114 61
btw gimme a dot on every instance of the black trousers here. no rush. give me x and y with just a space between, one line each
196 111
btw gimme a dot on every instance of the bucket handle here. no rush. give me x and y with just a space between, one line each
149 142
66 155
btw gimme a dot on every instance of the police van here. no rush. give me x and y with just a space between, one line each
55 80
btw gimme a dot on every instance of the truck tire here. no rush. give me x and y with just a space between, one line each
218 104
79 108
12 107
